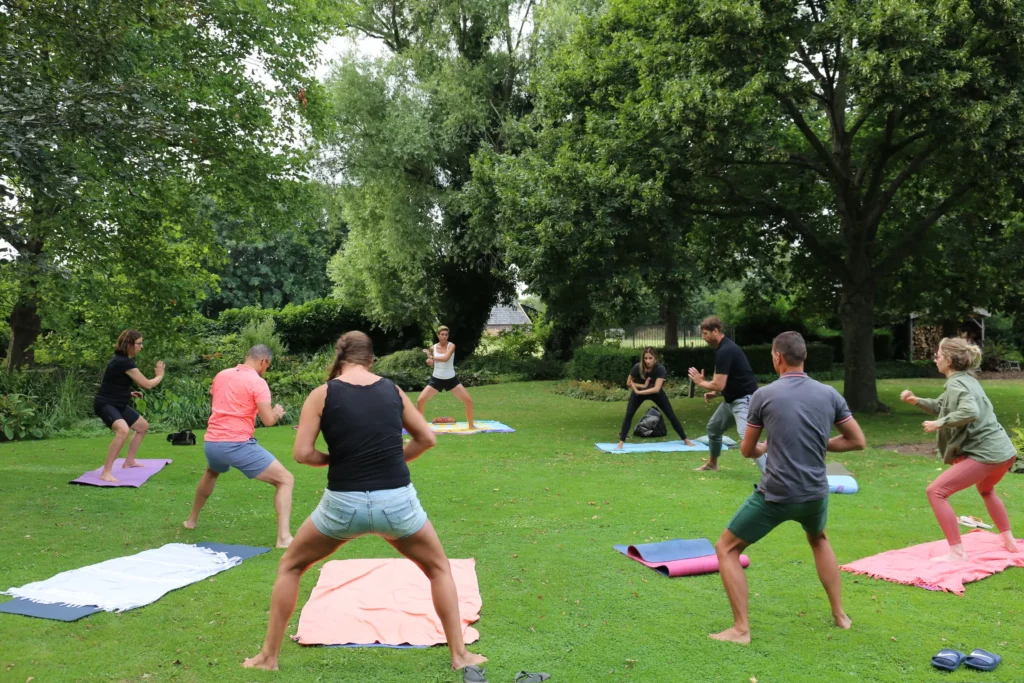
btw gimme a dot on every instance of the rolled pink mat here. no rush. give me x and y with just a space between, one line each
693 566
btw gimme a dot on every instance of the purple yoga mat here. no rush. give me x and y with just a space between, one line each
133 476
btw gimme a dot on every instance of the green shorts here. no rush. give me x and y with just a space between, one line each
757 517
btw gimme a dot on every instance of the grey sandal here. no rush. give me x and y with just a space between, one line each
527 677
474 674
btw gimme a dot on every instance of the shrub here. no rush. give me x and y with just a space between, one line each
503 367
318 323
260 332
179 402
408 369
819 358
20 418
588 390
602 363
233 320
885 349
761 327
995 353
518 343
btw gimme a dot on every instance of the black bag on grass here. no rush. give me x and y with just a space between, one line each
183 438
651 424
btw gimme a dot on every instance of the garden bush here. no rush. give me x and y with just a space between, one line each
20 418
885 349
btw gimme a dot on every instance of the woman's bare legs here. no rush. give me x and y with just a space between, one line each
424 549
460 393
121 434
309 547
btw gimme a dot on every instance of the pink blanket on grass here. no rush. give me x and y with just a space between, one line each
383 601
913 566
132 476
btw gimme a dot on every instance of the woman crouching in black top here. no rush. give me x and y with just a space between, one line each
112 402
368 491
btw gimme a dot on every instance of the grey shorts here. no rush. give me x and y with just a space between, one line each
248 457
389 513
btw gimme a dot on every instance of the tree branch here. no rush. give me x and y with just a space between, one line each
875 214
529 6
913 237
811 136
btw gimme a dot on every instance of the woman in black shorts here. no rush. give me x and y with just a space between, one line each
645 381
369 491
441 356
115 394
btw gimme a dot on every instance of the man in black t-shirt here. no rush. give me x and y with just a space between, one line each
734 380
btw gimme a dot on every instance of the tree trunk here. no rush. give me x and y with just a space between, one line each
856 311
671 325
25 327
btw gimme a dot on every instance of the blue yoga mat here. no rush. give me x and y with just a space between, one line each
58 612
839 483
654 447
666 551
43 610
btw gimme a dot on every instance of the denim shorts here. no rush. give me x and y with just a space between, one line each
250 458
389 513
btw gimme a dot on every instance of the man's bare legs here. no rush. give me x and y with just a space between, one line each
460 393
284 481
309 547
828 574
140 427
729 548
121 434
203 491
424 549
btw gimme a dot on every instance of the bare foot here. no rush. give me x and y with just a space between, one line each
467 659
842 621
709 466
621 444
131 463
689 443
189 524
107 476
958 558
1010 545
732 635
470 426
284 542
261 661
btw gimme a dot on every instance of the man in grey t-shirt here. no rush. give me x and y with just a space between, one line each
799 414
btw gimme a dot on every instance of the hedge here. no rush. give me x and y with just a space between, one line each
308 327
610 364
883 343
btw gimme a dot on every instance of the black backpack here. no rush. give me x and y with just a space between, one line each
651 424
183 438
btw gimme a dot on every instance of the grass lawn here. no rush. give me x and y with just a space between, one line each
539 510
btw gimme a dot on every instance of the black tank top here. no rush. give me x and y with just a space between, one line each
362 426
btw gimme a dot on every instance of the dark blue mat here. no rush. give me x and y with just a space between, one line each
59 612
676 549
44 610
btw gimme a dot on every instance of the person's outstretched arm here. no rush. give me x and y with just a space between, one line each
304 451
423 438
851 437
141 379
928 405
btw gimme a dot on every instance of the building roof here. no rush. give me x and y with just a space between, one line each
508 315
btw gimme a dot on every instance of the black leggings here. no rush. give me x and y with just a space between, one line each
660 400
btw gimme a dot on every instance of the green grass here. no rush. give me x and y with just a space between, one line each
539 510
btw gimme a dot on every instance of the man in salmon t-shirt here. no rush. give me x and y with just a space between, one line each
239 394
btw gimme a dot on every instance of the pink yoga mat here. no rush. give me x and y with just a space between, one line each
383 601
689 567
913 566
133 476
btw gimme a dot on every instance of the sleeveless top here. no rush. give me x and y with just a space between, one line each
362 426
443 369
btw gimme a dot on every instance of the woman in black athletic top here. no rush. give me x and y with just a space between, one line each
112 402
368 491
646 381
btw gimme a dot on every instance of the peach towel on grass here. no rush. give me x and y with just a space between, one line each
383 601
913 565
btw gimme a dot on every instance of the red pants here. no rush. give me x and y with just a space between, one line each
967 472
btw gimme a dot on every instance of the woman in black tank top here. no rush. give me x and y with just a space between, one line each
368 491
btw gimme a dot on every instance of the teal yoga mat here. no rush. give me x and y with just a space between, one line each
654 447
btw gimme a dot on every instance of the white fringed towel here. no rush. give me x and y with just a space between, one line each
128 582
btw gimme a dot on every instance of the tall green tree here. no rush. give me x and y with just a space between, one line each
857 136
116 118
405 130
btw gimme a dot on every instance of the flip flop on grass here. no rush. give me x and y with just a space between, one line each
982 661
948 660
973 522
474 674
527 677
